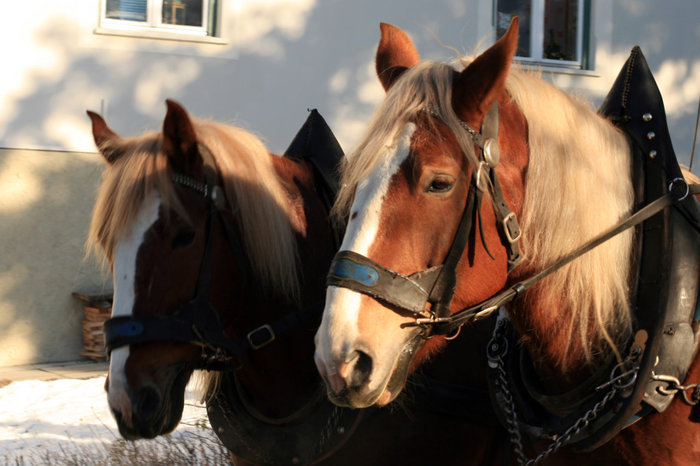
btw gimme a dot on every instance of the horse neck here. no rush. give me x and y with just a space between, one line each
282 378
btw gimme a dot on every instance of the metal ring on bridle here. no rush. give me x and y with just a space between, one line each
482 186
680 182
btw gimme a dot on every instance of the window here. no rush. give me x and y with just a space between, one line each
551 31
187 17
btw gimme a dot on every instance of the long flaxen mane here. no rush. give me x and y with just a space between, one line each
251 185
578 184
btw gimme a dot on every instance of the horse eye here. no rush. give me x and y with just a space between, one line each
440 185
182 240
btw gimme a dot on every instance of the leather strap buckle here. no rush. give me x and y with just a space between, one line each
261 336
511 227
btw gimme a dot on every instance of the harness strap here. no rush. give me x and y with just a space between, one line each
443 291
451 323
179 328
356 272
197 321
510 228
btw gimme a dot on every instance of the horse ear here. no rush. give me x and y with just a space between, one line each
102 134
395 54
180 139
481 82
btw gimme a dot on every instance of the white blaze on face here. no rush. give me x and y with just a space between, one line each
339 325
124 275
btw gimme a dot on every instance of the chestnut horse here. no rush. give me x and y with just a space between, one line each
413 269
219 252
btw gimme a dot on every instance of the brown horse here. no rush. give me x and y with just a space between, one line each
422 258
219 251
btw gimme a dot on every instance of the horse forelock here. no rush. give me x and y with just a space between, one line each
427 87
139 170
251 186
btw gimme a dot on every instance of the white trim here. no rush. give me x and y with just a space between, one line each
579 32
155 33
537 30
551 67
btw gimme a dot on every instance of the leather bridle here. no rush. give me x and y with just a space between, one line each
436 286
197 321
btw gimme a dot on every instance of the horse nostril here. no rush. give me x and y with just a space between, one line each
360 369
148 403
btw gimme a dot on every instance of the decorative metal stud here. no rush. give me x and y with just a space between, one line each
220 430
651 135
652 154
341 430
492 153
647 117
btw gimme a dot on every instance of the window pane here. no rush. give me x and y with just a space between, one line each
506 9
560 21
183 12
130 10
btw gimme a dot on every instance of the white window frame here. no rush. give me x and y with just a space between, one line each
537 37
154 22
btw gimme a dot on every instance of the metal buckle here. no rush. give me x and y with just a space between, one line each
257 342
512 238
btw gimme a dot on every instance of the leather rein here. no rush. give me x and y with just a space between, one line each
197 321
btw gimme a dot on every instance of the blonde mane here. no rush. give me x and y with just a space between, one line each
252 187
578 184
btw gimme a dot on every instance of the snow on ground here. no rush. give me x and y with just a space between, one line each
68 415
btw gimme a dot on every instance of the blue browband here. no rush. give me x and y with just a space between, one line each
364 274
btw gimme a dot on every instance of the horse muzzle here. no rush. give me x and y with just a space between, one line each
151 411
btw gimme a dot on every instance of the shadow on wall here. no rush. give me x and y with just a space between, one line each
306 55
45 205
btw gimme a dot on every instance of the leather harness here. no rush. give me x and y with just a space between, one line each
664 295
663 340
428 293
197 321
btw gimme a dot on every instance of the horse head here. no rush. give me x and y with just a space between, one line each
201 236
405 189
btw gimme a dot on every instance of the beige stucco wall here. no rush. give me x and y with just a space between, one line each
45 203
277 58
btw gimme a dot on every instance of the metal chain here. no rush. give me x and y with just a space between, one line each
327 432
675 386
511 414
497 350
514 431
572 431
